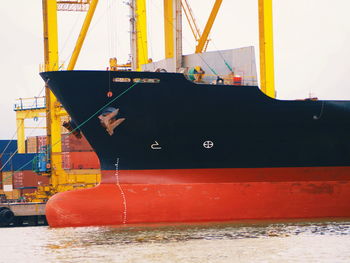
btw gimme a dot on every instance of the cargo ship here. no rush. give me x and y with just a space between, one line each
192 138
176 150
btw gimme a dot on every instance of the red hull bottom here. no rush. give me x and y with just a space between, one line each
278 197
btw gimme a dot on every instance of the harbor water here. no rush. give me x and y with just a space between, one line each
327 241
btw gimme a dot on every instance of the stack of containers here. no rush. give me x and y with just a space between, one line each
32 144
27 181
41 143
35 144
17 175
7 148
78 154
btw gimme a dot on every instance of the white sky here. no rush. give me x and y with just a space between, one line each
312 39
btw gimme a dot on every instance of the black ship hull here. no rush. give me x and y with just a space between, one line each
167 123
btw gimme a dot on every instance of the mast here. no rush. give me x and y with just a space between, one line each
178 34
173 31
138 34
133 46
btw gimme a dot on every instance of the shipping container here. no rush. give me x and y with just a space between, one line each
41 143
32 144
70 143
25 179
5 162
80 160
6 179
8 146
19 161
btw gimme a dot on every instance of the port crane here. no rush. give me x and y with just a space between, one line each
60 180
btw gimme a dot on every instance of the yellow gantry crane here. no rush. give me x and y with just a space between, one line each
58 175
30 108
60 180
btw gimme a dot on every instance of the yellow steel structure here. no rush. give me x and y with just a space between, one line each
193 24
30 111
169 25
82 34
20 117
141 34
21 147
267 78
60 179
58 175
208 26
168 28
191 20
267 81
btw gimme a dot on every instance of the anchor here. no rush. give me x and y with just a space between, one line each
109 121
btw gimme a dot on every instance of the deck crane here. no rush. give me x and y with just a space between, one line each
173 45
201 39
193 23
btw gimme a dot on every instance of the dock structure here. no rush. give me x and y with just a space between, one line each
22 214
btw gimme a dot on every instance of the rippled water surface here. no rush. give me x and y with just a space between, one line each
278 242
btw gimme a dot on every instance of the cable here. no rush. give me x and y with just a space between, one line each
109 28
70 33
228 66
13 154
78 127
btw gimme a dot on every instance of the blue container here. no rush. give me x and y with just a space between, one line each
10 145
19 162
